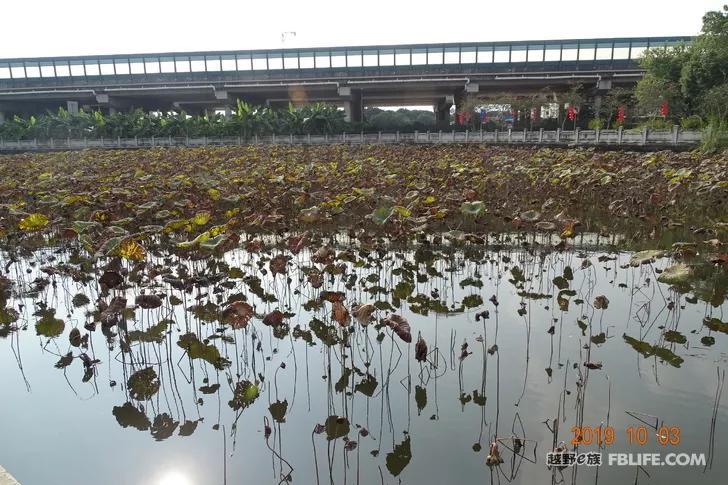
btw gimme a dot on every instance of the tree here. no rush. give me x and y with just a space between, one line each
615 98
684 75
715 103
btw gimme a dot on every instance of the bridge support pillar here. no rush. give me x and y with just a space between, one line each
442 112
598 106
352 104
72 107
2 117
603 86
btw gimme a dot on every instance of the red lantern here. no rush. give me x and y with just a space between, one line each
620 114
571 113
664 109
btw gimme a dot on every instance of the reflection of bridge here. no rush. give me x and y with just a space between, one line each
422 74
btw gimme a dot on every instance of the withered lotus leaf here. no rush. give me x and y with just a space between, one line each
340 313
278 264
400 326
148 301
363 313
420 349
274 318
237 314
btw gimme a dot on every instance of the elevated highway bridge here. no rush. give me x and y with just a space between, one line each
352 77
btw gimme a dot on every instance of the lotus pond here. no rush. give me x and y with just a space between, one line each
360 315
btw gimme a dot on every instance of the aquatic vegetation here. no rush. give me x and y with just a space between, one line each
115 201
248 329
182 295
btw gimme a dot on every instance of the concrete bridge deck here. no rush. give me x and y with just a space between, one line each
354 77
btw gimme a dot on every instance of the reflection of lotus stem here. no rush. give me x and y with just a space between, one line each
284 478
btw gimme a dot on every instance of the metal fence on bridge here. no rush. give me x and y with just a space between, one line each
608 138
567 54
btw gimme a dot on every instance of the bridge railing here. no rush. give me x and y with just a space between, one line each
586 53
675 137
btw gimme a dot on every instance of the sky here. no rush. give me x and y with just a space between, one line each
77 27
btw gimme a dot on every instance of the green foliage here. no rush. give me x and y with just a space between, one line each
615 98
246 121
653 90
596 124
376 119
686 76
715 102
657 124
692 122
715 136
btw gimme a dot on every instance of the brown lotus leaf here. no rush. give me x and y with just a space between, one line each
400 326
111 279
296 243
340 314
332 296
278 265
254 246
274 318
110 312
363 313
420 349
316 279
601 302
148 302
324 255
230 242
237 314
74 337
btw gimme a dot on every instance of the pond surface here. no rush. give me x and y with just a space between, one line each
176 385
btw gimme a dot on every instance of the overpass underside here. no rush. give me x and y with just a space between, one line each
436 75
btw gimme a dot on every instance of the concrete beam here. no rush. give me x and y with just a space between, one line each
604 84
113 104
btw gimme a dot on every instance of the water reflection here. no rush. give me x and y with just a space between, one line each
354 361
174 477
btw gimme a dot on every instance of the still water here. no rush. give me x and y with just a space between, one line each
524 342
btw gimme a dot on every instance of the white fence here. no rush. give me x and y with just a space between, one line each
653 138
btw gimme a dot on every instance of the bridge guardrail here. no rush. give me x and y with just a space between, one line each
675 137
583 52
